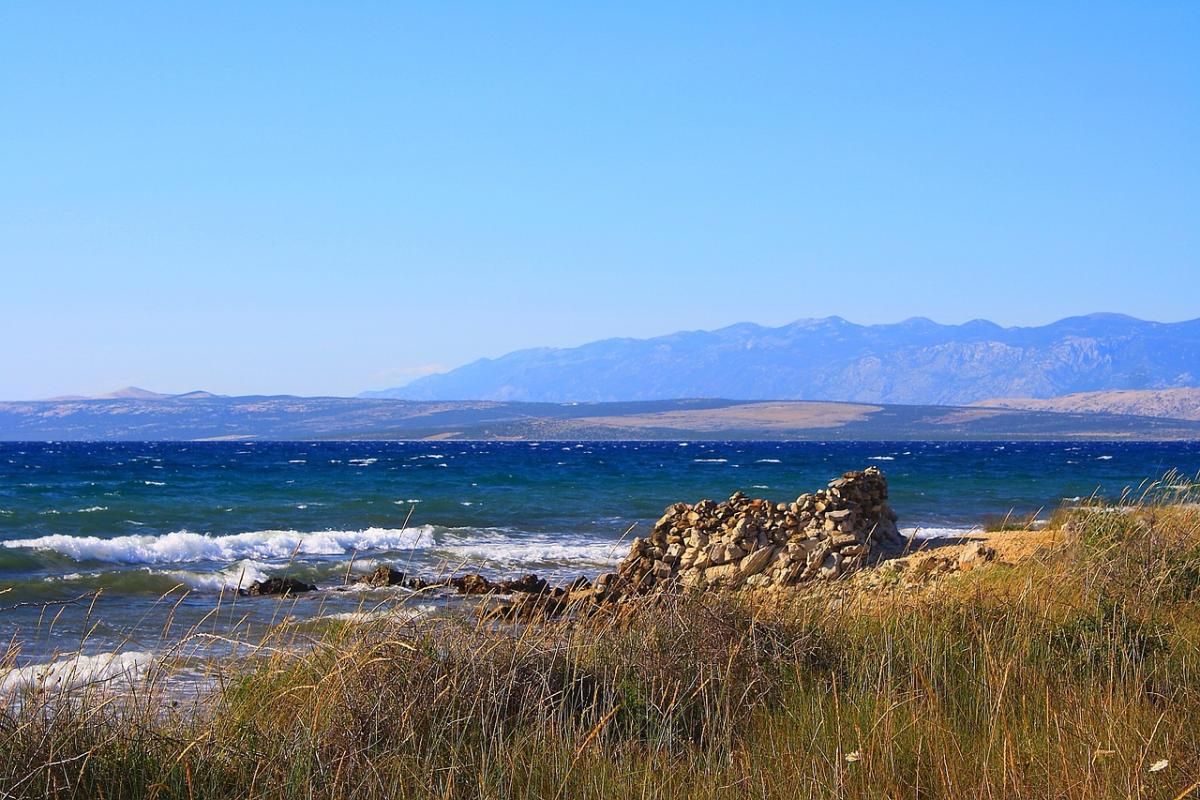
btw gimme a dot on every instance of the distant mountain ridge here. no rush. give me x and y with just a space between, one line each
916 361
133 393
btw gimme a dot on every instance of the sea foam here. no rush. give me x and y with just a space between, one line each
184 546
237 576
76 671
934 532
528 550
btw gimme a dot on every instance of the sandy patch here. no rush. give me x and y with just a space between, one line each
765 416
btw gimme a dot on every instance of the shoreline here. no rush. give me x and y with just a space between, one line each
892 679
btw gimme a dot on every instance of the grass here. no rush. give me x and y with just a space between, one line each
1073 674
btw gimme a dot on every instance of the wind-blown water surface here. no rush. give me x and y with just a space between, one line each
143 520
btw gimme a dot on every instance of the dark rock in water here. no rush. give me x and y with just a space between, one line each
385 576
579 583
473 584
530 584
478 584
532 606
277 586
417 584
540 606
382 576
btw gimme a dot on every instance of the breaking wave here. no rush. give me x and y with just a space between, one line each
507 550
184 546
237 576
77 671
396 614
935 532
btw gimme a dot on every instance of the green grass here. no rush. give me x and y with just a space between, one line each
1068 676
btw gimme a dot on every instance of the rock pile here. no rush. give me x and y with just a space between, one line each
739 543
754 543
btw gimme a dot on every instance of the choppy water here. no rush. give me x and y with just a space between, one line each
165 527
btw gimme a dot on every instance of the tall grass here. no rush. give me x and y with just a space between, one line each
1075 674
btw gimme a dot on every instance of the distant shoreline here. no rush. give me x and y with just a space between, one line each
202 417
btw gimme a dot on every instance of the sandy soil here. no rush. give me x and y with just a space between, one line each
1172 403
764 416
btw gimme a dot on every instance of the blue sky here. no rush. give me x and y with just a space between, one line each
329 197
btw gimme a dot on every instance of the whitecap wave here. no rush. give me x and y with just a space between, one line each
881 458
529 550
232 578
768 461
184 546
935 532
397 614
77 671
710 460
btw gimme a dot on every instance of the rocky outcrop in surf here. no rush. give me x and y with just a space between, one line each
740 543
284 586
746 543
754 543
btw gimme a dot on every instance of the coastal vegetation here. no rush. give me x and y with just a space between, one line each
1067 665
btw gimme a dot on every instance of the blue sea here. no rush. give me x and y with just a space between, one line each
155 536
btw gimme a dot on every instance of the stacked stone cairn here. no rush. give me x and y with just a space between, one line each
740 543
753 543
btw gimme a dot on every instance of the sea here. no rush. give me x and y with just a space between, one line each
127 547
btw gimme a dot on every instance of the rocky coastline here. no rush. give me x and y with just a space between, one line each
741 543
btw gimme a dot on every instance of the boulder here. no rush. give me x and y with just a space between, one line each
382 576
473 584
530 584
277 586
975 554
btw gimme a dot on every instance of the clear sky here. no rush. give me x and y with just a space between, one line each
261 197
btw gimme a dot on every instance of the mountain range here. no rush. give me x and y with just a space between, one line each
914 362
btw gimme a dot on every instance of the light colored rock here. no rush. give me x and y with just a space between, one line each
975 554
720 573
754 562
831 566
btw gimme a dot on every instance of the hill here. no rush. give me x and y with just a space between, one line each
917 361
1183 403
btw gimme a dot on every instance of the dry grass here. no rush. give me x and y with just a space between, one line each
1072 673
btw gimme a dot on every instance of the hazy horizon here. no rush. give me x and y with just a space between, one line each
321 200
103 391
136 391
